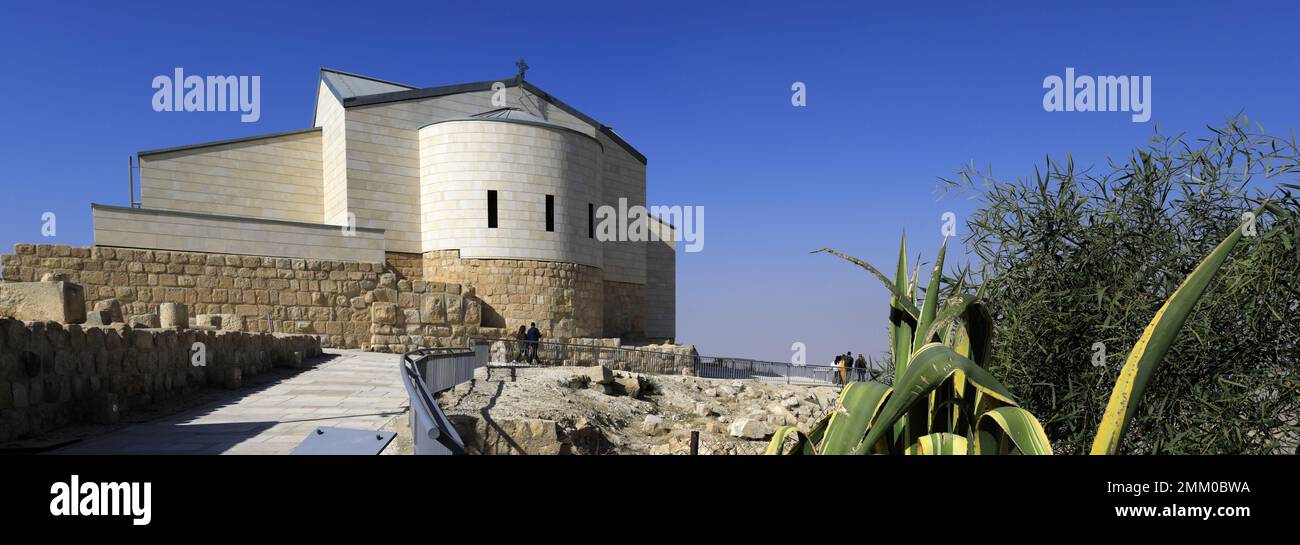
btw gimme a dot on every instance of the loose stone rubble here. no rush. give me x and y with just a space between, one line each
593 410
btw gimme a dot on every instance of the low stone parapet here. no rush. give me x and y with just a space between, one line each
657 359
349 304
52 374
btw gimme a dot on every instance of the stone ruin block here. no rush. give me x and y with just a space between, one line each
145 320
174 315
384 313
113 308
473 312
231 322
53 301
99 318
208 321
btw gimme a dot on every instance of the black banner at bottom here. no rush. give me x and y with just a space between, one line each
309 495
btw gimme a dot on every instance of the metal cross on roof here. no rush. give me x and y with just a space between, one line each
523 67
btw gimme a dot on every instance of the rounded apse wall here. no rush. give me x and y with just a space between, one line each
523 162
522 272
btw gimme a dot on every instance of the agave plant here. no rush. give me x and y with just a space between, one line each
943 401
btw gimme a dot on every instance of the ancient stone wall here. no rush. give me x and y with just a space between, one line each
565 299
655 359
331 299
52 374
406 266
624 310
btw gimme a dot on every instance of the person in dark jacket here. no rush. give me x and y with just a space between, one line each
860 366
532 336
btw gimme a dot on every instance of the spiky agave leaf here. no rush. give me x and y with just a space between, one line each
802 444
1000 430
977 327
939 444
944 405
904 303
917 423
805 443
818 431
857 405
931 302
930 367
951 310
1151 347
973 339
902 326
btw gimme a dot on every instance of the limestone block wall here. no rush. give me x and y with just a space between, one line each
52 375
327 298
565 299
661 284
405 266
624 310
196 232
273 177
655 359
461 160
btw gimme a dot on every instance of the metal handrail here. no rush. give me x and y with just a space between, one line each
490 340
704 366
430 427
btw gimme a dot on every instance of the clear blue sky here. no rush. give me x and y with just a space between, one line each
896 97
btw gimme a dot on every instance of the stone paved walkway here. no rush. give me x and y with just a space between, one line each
360 390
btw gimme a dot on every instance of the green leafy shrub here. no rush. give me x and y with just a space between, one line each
1075 261
943 401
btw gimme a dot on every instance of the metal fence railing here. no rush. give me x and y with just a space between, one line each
426 372
743 368
656 362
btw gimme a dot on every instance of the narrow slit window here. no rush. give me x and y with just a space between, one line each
550 213
591 220
492 209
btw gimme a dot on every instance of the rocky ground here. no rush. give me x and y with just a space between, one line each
591 410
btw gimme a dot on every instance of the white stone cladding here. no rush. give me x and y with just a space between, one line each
463 159
624 177
192 232
383 161
277 177
383 158
329 117
661 284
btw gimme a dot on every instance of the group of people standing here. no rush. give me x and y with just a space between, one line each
527 341
849 368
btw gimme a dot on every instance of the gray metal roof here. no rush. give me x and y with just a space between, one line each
397 92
